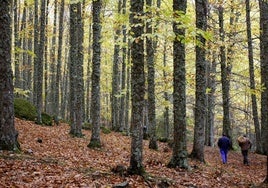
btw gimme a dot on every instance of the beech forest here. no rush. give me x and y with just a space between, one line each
134 93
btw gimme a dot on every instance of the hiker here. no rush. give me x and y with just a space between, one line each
245 144
224 144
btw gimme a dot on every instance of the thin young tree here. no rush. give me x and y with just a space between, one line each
252 81
137 86
180 154
95 140
8 133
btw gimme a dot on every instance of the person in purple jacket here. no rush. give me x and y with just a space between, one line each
224 144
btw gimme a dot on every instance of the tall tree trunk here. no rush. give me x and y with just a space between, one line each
53 70
252 81
39 76
36 52
211 84
264 76
264 72
180 154
59 63
200 89
8 133
116 79
166 110
96 60
17 44
30 58
151 77
225 78
137 87
76 70
122 110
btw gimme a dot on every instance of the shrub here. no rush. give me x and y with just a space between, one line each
47 119
24 109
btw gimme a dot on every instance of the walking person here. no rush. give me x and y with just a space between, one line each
224 144
245 144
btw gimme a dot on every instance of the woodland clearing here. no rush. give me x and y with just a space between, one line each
51 157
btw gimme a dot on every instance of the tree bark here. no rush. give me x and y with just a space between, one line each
8 133
151 77
252 81
137 86
200 90
96 60
180 154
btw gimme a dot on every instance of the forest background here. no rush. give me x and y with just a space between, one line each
58 66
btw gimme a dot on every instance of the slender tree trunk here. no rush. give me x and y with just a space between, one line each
96 60
39 81
8 133
200 91
252 81
36 52
17 83
122 109
225 78
211 82
115 81
151 77
53 70
59 62
137 87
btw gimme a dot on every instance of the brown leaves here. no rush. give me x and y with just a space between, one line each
63 161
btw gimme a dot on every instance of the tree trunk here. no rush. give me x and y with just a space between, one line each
59 63
96 60
116 79
225 79
76 70
200 91
122 110
151 77
252 81
264 72
8 133
137 87
40 57
180 154
264 76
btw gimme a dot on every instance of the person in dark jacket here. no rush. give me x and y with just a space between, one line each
224 144
245 144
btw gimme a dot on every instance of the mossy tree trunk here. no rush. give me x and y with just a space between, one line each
200 81
8 133
179 155
137 86
95 140
151 77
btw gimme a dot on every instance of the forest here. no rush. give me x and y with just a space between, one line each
155 83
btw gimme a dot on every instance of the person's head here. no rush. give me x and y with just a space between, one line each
245 136
223 134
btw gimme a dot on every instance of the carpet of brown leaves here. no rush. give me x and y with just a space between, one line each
63 161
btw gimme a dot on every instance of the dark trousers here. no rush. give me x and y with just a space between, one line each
245 157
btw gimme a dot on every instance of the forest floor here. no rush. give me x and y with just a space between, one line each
63 161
